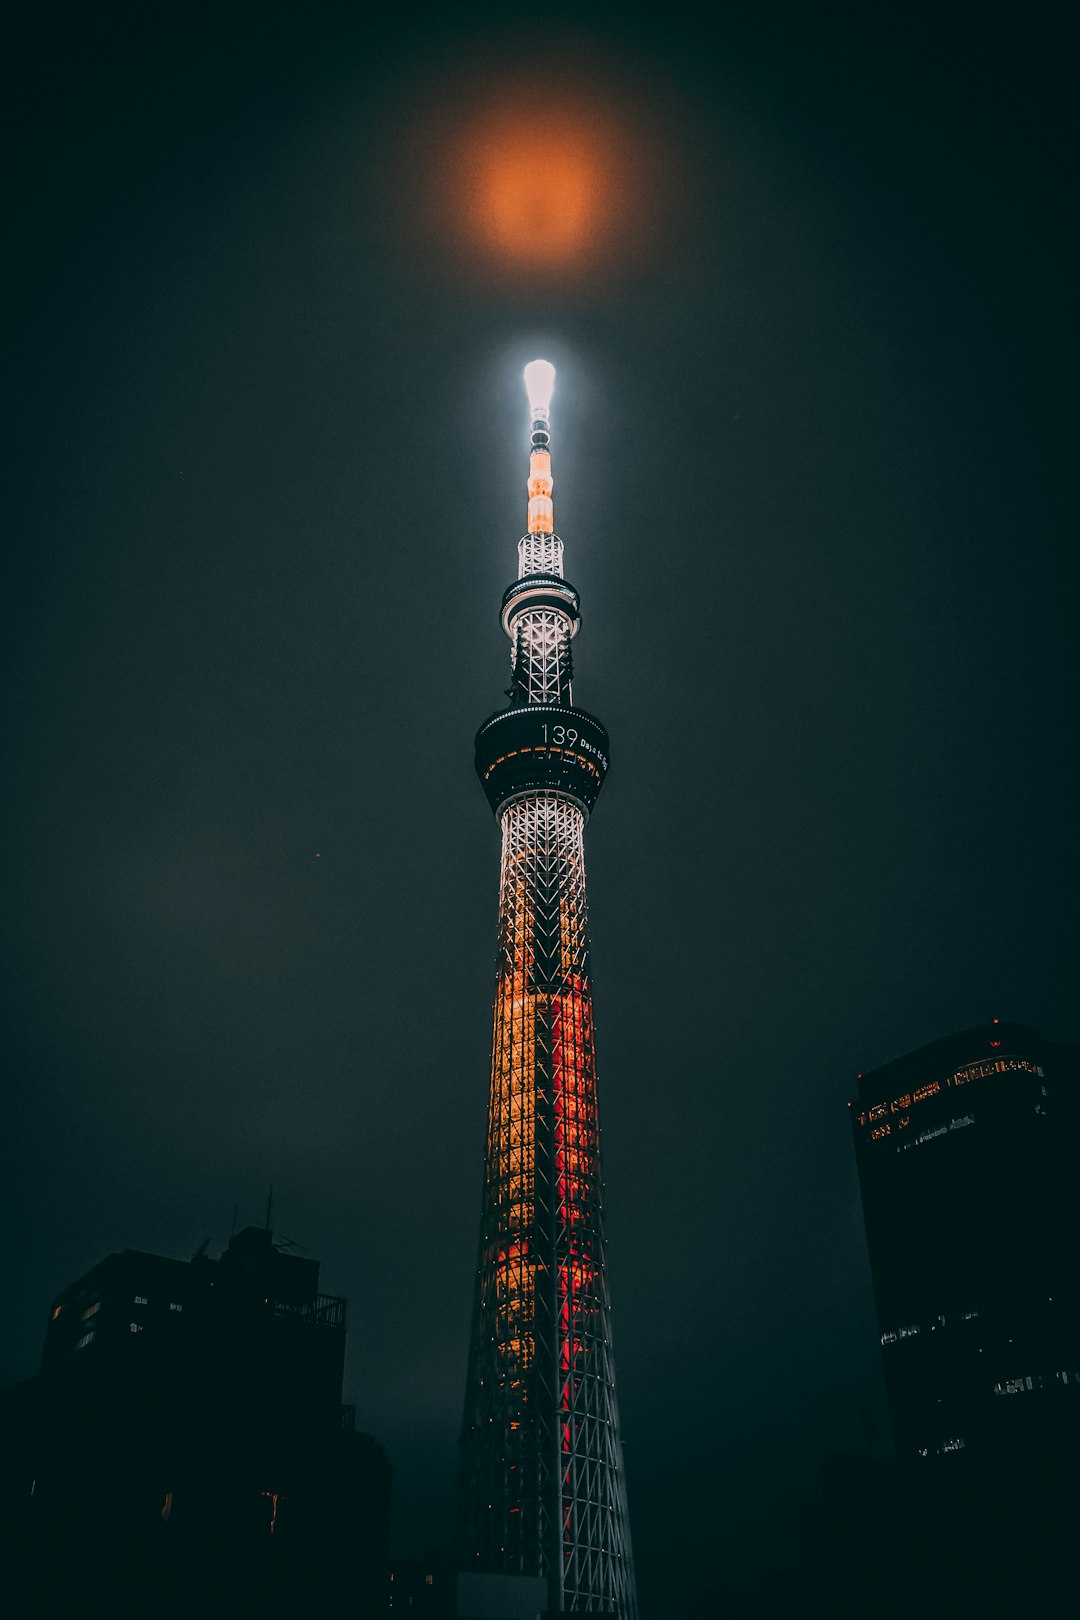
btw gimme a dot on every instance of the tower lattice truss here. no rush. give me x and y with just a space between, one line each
542 1490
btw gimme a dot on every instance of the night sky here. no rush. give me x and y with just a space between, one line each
266 475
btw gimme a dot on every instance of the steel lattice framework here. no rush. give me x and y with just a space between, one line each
542 1489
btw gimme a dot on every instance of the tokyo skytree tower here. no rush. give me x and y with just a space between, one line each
542 1491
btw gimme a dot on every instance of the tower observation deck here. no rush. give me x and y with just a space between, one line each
542 1492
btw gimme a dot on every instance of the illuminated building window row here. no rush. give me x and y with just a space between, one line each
911 1330
908 1332
962 1077
1034 1381
959 1123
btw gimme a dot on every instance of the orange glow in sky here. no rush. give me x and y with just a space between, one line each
500 178
535 191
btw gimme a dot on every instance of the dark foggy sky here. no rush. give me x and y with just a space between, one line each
266 476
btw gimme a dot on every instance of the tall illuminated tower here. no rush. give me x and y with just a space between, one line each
542 1490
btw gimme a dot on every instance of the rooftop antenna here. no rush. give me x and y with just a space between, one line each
269 1205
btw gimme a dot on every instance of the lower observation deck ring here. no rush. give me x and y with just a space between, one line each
542 748
540 591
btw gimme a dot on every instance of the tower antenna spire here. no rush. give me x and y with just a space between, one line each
540 385
540 551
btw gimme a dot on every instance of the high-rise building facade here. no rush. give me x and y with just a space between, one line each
542 1491
966 1152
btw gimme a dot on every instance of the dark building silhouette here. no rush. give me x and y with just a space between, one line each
842 1567
966 1153
841 1574
184 1448
423 1588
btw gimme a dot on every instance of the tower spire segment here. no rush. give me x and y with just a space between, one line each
542 1490
540 384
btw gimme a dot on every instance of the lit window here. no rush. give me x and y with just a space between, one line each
141 1299
56 1312
135 1327
85 1339
176 1307
91 1310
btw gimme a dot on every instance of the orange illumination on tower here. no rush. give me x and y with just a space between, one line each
541 507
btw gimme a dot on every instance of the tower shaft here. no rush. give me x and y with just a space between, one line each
542 1489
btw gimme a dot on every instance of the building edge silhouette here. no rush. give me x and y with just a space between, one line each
184 1447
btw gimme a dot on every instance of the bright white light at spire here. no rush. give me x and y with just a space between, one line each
540 383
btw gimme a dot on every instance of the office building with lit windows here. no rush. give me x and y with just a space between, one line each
542 1504
966 1153
184 1448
